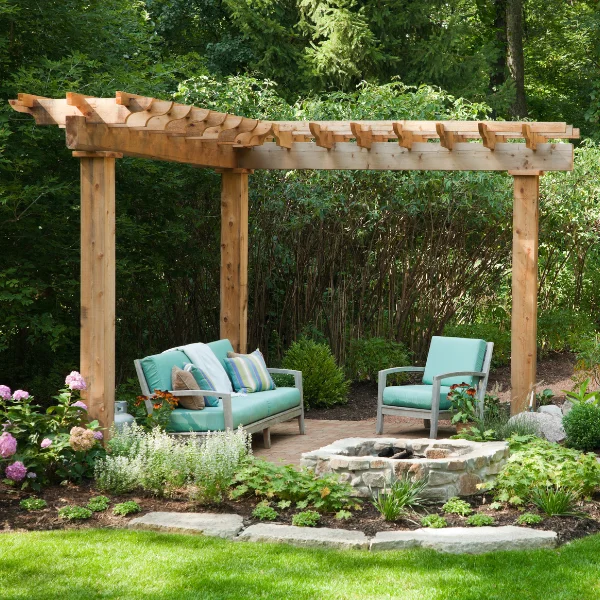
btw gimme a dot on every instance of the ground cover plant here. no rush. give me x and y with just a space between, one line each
479 520
74 513
98 503
264 512
456 506
126 508
33 504
434 521
279 571
41 446
529 519
307 518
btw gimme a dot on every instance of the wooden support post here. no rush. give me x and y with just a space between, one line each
234 258
97 350
524 288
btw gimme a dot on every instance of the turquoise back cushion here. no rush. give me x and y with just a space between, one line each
448 354
220 349
157 368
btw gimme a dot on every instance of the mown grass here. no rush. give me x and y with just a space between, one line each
115 564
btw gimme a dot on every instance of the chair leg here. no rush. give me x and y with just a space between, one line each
427 423
301 424
433 430
379 425
267 437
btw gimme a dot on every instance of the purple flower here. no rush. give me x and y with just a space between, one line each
46 442
8 445
5 392
20 395
98 435
31 475
75 381
17 471
80 404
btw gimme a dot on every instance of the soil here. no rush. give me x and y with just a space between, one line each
554 372
14 518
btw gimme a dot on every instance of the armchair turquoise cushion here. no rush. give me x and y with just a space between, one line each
414 396
246 409
448 354
157 369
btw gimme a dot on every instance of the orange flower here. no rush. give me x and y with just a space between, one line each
157 406
471 392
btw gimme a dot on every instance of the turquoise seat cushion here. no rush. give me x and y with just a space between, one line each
220 349
412 396
157 369
246 410
448 354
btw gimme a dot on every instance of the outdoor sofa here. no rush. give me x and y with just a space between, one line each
254 412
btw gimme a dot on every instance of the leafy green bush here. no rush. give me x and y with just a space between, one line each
392 503
456 506
268 480
264 512
529 519
323 381
308 518
434 521
98 503
33 504
555 501
479 520
582 426
368 356
74 513
126 508
539 464
563 330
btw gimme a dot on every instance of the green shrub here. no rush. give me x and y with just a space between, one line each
323 381
33 504
479 520
541 463
74 513
434 521
456 506
529 519
555 501
563 330
284 482
392 503
368 356
98 503
308 518
264 512
126 508
343 515
582 426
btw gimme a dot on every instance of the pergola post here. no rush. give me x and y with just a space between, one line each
97 350
234 257
524 288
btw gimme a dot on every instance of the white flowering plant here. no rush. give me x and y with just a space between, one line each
40 447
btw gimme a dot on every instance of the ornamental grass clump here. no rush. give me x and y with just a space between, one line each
403 494
556 501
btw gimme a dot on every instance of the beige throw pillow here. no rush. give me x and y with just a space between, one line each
184 380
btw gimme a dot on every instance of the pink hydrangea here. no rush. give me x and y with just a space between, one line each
17 471
8 445
75 381
20 395
46 442
98 435
80 404
5 392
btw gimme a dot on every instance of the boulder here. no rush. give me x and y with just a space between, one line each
566 407
549 425
551 409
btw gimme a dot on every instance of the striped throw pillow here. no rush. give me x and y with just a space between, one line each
248 373
204 382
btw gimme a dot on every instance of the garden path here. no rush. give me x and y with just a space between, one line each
287 445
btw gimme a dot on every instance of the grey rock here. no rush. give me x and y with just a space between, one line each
566 407
551 409
211 524
321 537
549 425
374 479
459 540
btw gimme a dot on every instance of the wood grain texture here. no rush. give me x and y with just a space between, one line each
524 290
234 259
97 350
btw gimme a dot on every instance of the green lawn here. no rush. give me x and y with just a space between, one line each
123 564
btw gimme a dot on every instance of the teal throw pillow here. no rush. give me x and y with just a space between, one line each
204 382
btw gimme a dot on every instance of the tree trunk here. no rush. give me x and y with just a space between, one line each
498 70
514 56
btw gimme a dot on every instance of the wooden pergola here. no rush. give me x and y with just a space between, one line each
100 130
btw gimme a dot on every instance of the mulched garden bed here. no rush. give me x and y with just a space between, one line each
14 518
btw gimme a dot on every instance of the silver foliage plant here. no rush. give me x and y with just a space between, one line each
163 465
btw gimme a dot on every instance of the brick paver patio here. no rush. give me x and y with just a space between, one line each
287 445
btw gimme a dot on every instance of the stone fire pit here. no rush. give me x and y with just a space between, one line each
453 467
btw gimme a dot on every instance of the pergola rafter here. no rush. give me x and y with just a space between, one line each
99 130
